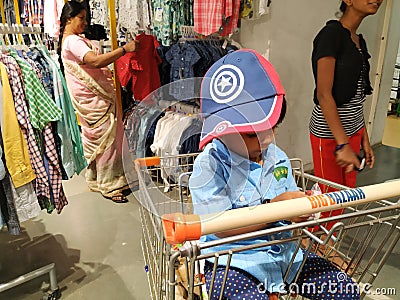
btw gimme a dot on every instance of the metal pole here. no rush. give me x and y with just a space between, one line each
32 275
114 45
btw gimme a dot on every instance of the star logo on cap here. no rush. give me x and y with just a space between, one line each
226 84
221 127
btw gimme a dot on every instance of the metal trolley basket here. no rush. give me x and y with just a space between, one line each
359 243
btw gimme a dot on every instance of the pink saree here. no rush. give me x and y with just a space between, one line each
93 95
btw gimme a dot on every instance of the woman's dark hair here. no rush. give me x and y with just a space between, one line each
71 9
343 7
283 112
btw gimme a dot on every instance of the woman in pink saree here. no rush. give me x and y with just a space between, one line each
93 95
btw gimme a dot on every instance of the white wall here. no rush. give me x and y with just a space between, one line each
291 27
388 68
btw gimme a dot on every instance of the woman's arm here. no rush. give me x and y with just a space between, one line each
102 60
326 71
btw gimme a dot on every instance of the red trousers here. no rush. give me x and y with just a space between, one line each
323 152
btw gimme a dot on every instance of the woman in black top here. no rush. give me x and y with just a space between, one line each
341 72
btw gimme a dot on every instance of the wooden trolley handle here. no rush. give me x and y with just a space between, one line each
179 228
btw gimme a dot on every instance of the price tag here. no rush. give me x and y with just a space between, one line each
158 14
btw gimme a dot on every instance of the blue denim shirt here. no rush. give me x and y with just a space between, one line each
223 180
182 59
45 70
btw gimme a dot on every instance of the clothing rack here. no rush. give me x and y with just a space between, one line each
17 30
189 34
20 29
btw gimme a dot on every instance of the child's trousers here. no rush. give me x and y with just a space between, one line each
318 279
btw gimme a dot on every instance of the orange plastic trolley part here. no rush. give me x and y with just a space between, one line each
179 228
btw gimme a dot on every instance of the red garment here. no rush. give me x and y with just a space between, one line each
141 66
210 15
323 151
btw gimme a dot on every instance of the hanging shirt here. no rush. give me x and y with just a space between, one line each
42 108
46 77
215 16
146 124
99 12
26 202
42 111
168 18
133 15
141 66
182 59
6 199
9 11
15 147
14 72
162 21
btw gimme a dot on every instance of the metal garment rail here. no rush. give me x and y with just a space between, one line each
54 292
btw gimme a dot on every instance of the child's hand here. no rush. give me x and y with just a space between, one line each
292 195
288 195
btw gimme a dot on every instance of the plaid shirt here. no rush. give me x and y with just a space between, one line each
55 174
44 111
212 16
42 108
42 188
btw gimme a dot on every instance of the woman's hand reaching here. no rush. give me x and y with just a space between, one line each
131 46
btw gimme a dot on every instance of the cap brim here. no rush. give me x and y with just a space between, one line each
254 116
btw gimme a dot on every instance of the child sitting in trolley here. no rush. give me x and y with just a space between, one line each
242 102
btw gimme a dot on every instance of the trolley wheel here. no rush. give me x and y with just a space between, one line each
52 295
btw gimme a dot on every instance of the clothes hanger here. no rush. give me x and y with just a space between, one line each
5 29
2 40
37 32
19 29
30 31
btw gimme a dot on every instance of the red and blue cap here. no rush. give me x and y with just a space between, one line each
240 93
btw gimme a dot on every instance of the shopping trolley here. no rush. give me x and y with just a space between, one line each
359 243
